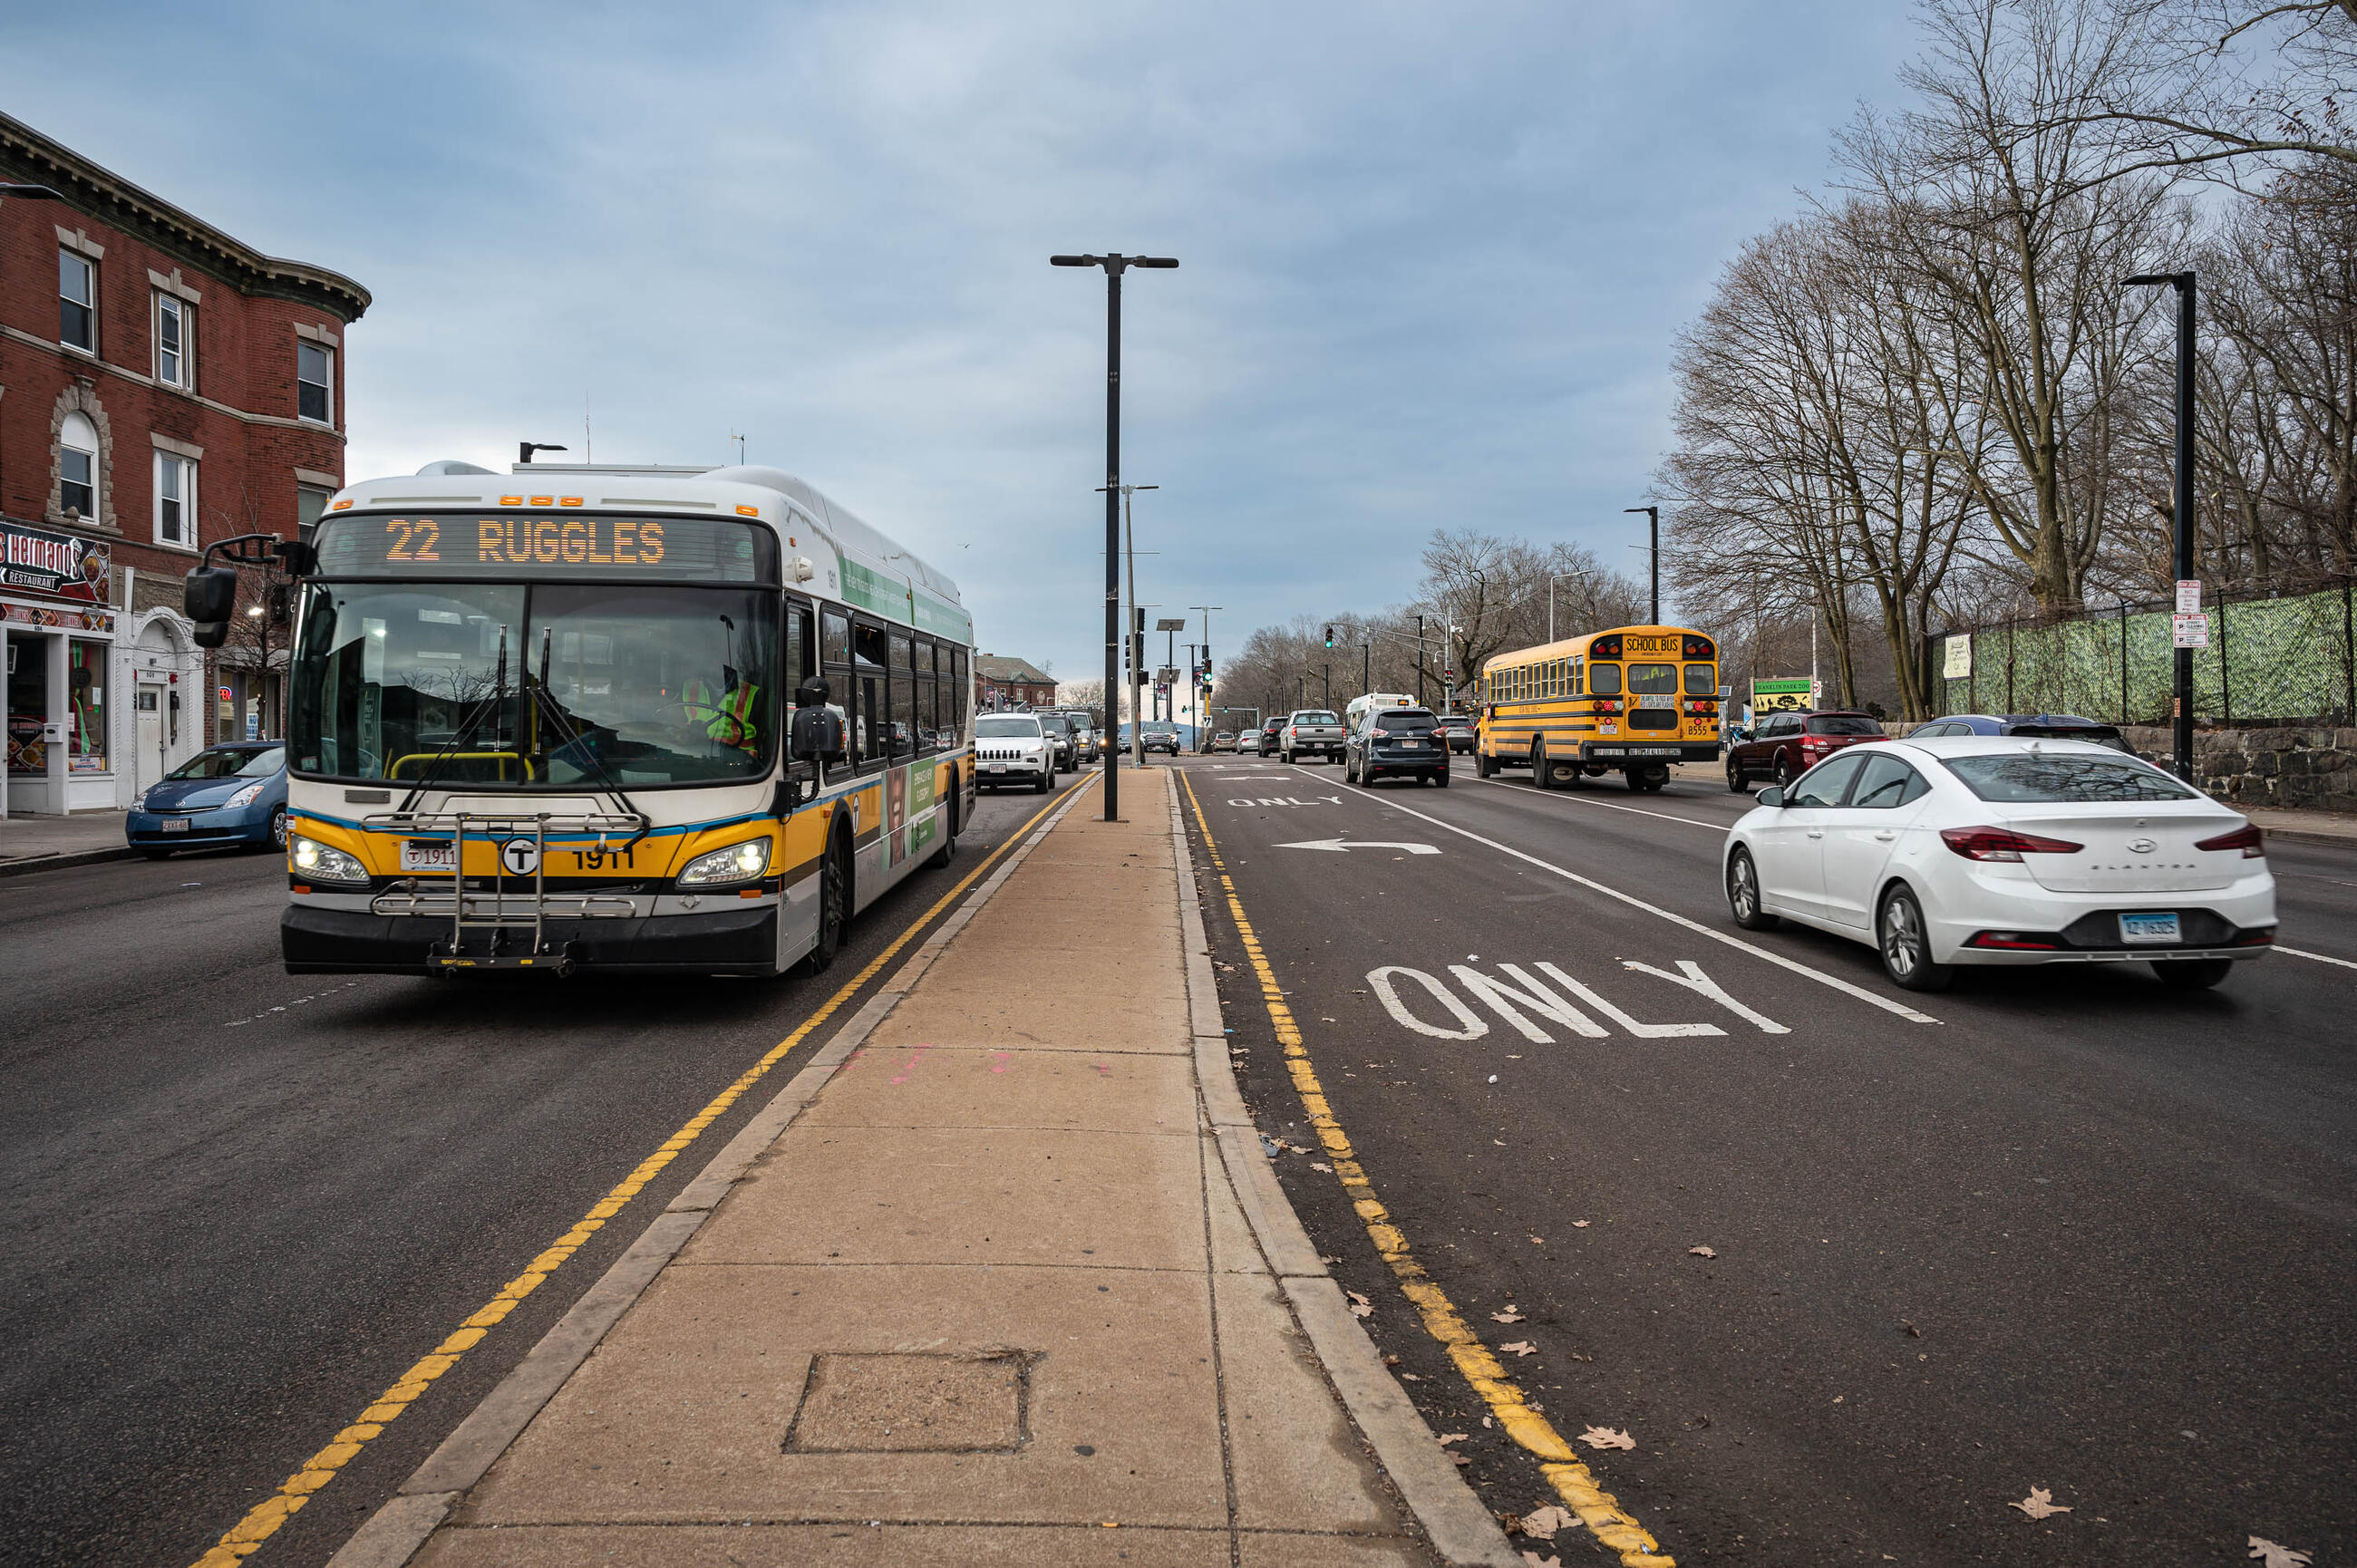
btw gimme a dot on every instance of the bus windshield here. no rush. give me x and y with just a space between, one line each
549 686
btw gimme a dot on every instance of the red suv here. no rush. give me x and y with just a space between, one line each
1786 746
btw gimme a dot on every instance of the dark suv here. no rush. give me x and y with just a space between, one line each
1784 746
1066 745
1398 743
1162 735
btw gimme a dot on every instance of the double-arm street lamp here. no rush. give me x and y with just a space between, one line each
1114 265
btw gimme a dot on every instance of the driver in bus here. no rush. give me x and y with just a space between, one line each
730 719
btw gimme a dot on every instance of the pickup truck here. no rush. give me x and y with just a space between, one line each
1311 731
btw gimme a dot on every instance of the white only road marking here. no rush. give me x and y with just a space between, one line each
1288 800
1778 960
1340 844
1584 801
2318 957
1471 1024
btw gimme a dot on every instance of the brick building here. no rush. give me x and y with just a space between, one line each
162 386
1006 682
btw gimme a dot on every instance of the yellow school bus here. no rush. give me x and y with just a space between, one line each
1634 699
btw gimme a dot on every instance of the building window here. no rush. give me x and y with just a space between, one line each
78 468
176 500
77 302
310 505
176 342
315 373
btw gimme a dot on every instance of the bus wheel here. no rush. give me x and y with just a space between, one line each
1540 773
834 907
1482 766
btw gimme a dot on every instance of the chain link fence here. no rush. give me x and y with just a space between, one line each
2273 659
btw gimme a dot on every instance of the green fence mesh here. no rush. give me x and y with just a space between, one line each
2281 660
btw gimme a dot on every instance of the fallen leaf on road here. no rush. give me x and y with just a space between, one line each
1512 1315
1360 1306
1579 1225
1605 1437
1702 1251
1319 1166
2041 1504
1544 1523
1536 1560
1912 1332
2277 1556
1411 1377
1519 1348
1538 1241
1461 1458
1447 1437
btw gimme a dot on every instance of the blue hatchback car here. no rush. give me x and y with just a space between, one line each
234 793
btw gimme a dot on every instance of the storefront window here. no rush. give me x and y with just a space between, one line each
86 665
29 704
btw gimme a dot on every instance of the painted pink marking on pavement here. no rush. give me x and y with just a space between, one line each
903 1075
1103 1071
1000 1065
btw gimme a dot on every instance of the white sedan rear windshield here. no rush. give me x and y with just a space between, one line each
1007 729
2018 777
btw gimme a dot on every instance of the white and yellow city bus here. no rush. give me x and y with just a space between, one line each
541 721
1635 699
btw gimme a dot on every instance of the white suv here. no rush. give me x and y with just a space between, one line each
1013 748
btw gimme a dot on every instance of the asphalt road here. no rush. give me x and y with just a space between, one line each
2080 1233
238 1204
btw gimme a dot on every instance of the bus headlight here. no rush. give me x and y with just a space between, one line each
324 863
737 863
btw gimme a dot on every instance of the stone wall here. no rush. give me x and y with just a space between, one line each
2309 769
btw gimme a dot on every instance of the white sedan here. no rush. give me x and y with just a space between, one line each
1993 850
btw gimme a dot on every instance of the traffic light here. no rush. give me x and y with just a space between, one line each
1207 666
1329 636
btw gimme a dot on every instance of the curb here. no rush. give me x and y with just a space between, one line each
392 1535
33 863
1453 1520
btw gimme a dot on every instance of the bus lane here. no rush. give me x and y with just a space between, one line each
1852 1271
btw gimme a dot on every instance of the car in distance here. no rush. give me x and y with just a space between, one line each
1223 740
1248 743
1271 734
1456 729
230 794
1988 850
1396 743
2049 726
1160 735
1062 734
1311 731
1783 745
1013 748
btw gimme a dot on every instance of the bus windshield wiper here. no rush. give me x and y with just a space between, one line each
548 708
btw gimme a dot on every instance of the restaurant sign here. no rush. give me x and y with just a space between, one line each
53 563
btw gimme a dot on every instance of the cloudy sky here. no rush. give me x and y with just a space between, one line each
1432 255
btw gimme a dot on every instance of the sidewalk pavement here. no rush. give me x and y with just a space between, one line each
1001 1277
44 843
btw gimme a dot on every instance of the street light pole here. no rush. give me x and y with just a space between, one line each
1114 265
1199 702
2181 719
1653 552
1552 581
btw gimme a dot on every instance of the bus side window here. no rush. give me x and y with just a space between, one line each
961 694
799 666
1578 675
871 722
835 652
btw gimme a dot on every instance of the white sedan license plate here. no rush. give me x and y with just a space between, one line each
2149 929
428 855
176 824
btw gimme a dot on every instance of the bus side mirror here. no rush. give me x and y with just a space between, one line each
816 733
209 599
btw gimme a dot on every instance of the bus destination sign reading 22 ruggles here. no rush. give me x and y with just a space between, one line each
593 544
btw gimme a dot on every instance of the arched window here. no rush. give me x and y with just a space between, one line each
77 468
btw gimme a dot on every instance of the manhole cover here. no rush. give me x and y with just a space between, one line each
913 1404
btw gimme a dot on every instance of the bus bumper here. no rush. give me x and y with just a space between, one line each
353 941
1621 752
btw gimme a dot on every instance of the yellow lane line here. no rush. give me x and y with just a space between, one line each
263 1519
1573 1482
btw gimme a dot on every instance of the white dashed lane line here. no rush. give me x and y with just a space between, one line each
1778 960
297 1002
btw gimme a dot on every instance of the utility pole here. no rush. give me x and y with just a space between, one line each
1419 661
2189 586
1366 668
1653 552
1114 265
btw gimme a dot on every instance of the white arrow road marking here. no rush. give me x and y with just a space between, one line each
1754 949
1338 845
